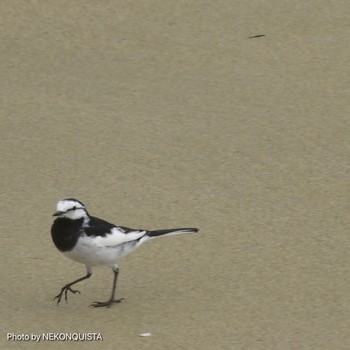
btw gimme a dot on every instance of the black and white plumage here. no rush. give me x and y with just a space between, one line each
95 242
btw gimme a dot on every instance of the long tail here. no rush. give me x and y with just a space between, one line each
169 232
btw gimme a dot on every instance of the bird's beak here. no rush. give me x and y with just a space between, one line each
58 213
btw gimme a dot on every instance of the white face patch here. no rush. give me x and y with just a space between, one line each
71 209
75 214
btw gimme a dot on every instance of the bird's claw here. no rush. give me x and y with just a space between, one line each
65 290
107 303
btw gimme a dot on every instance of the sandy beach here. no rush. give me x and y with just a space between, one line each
227 116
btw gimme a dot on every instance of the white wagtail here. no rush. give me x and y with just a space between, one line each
95 242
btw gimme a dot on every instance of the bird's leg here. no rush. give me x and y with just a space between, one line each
112 300
67 288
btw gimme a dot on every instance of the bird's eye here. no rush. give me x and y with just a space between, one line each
74 207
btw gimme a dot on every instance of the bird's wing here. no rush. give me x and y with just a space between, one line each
118 236
106 234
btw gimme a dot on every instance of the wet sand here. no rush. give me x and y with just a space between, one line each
162 114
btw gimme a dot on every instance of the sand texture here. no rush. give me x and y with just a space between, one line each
160 114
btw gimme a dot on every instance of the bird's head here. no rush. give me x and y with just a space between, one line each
71 208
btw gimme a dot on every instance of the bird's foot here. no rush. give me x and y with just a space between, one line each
107 303
64 291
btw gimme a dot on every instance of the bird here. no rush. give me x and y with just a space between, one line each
94 242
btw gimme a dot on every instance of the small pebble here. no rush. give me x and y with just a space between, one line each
145 334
